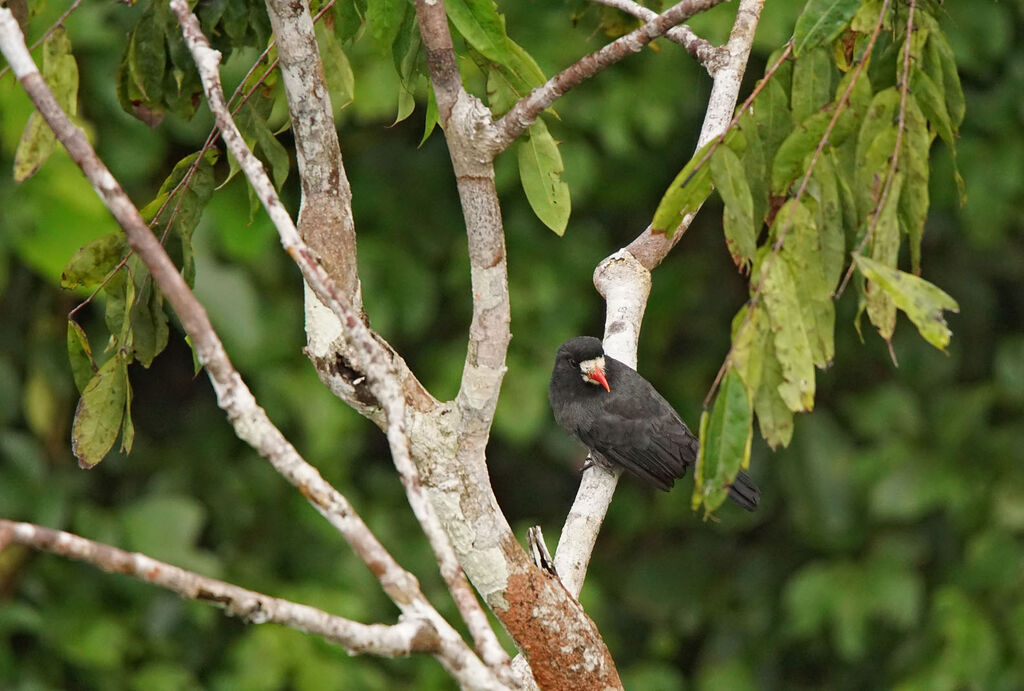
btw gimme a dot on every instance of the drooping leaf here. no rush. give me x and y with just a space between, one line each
773 116
926 95
725 440
479 22
952 89
755 165
690 187
91 263
774 418
824 189
697 496
348 18
149 324
83 367
748 344
802 252
789 331
430 119
821 22
100 412
127 426
540 171
60 72
885 248
812 83
337 70
405 52
738 217
922 301
193 199
795 152
913 208
384 18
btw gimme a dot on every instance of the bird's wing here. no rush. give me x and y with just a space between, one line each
641 432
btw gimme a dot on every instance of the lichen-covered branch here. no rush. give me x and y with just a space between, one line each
325 216
624 280
397 640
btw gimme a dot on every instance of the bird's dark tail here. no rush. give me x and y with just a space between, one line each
744 492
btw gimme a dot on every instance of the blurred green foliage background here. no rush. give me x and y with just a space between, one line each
889 547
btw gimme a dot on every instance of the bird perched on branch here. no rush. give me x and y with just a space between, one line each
622 420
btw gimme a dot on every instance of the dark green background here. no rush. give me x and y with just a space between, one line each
887 551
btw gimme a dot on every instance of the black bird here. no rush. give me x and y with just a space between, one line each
621 419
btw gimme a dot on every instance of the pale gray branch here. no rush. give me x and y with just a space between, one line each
397 640
696 46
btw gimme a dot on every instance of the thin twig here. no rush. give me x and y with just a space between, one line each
702 50
397 640
529 108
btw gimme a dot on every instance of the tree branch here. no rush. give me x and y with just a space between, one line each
248 419
705 53
623 279
325 216
398 640
527 110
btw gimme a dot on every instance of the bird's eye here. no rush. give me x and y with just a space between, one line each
572 361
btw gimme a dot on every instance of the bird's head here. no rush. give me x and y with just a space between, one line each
584 355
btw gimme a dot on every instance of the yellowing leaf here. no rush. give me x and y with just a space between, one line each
60 71
789 332
100 412
725 440
738 218
922 301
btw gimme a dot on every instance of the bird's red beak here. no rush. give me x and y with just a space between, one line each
597 374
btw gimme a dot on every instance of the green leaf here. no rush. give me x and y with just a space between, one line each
952 89
127 426
885 248
149 324
147 56
922 301
792 347
913 205
100 412
405 53
738 218
60 72
755 165
824 189
690 187
384 18
430 119
697 496
773 117
794 154
337 70
190 207
926 94
725 440
83 367
802 252
91 263
821 22
479 22
540 171
348 18
812 83
774 418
